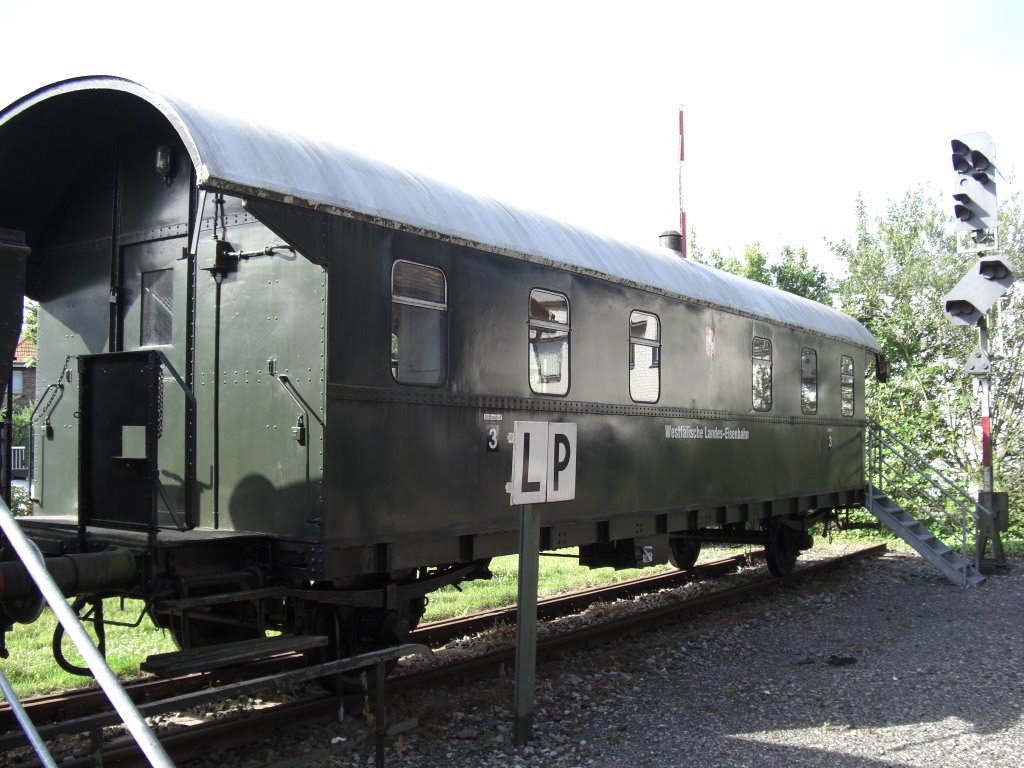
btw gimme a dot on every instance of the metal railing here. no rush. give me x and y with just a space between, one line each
925 492
19 460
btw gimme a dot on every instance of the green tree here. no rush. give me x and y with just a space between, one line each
1006 322
898 272
755 264
30 322
21 425
792 272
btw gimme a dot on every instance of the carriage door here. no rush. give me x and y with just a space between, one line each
124 394
154 286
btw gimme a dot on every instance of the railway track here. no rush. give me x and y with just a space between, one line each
187 742
58 707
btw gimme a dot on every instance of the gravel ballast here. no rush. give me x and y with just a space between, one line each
883 663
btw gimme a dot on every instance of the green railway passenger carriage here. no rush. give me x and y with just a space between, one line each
277 379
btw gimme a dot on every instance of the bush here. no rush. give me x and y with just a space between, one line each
21 505
20 426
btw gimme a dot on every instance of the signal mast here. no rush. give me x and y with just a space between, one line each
976 210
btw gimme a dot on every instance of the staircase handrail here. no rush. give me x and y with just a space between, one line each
965 511
973 510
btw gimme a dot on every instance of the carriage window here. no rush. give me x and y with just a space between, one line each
419 324
846 384
157 308
808 381
549 343
644 357
761 359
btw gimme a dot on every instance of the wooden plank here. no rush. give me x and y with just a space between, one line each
228 654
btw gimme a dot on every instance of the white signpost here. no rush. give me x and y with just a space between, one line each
543 462
543 470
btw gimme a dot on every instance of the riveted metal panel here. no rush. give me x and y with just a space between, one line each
272 325
415 460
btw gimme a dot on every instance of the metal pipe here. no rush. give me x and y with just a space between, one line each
83 572
218 279
7 439
526 624
26 723
124 706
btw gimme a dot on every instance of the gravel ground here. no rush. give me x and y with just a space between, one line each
883 663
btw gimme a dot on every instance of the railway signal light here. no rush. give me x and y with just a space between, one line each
974 191
978 290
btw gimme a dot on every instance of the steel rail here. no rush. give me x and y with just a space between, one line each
31 733
489 663
437 633
55 707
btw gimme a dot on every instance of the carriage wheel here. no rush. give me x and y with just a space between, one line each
783 547
343 629
683 553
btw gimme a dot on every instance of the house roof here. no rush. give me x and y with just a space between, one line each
25 354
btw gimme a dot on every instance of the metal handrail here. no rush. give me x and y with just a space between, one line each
908 462
919 463
191 489
966 511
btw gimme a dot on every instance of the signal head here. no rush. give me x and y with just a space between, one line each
977 291
975 188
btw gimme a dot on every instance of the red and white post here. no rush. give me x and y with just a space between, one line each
682 208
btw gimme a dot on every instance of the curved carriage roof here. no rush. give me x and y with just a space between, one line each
231 154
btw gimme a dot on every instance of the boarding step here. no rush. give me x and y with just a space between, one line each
950 563
228 654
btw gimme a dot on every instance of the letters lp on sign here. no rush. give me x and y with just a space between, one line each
543 462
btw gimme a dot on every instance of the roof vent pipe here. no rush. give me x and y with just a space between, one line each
673 240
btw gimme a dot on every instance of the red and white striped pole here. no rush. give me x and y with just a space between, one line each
682 211
984 395
986 429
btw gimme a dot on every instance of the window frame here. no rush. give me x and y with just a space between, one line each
760 361
807 406
539 386
847 383
411 301
655 346
150 305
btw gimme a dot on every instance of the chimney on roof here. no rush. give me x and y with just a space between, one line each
673 240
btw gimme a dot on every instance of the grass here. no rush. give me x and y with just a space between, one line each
558 575
32 670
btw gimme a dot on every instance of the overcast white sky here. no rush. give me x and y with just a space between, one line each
569 108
